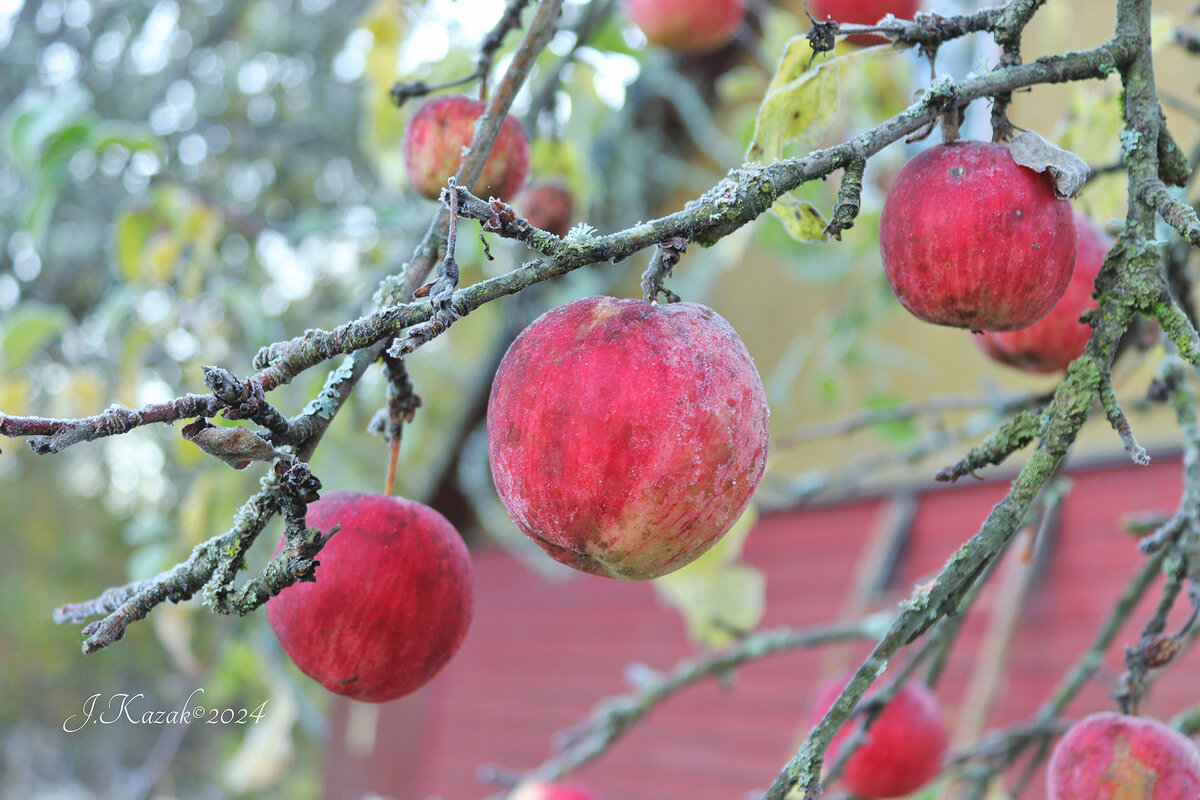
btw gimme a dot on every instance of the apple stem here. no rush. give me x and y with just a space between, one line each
666 256
393 457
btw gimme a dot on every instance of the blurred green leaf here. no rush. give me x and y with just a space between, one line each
717 597
609 37
130 232
900 431
798 107
128 135
802 221
36 116
28 328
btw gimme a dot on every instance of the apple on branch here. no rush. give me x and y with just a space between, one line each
435 140
688 25
863 12
903 747
1060 337
1110 755
391 602
972 240
536 790
627 437
548 206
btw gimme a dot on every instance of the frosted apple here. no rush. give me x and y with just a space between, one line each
688 25
553 791
1058 338
1109 756
903 748
626 437
391 603
547 206
433 149
863 12
971 239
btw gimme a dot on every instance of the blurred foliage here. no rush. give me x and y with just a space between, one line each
721 599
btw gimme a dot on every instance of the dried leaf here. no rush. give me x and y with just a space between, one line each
236 446
1031 150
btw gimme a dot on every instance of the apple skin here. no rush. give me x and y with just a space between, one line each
627 437
553 791
548 206
688 26
391 603
1110 756
863 12
970 239
433 149
904 746
1059 338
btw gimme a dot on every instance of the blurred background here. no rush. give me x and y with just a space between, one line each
184 183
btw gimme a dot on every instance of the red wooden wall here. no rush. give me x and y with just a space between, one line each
540 654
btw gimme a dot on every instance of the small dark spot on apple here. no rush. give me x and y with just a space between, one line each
957 172
350 680
1037 246
795 115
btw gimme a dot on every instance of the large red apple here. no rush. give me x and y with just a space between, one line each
688 25
1059 338
973 240
553 791
903 748
626 437
433 149
1111 756
391 603
863 12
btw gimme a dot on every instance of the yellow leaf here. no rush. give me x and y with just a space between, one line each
130 232
717 597
384 126
158 257
799 106
268 749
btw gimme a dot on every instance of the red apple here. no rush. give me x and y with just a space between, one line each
391 603
433 145
626 437
1111 756
863 12
547 206
970 239
688 25
553 791
903 748
1059 338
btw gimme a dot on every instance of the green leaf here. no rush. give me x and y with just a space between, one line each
898 431
130 233
34 117
127 134
802 221
717 597
61 146
28 329
798 108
